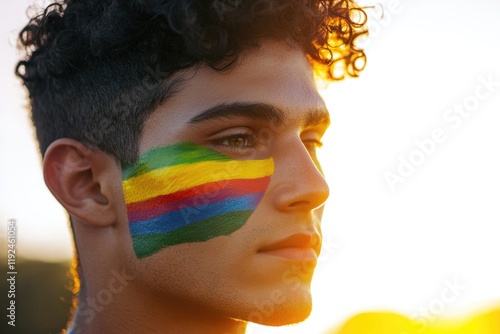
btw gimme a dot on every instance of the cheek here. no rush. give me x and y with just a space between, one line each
190 196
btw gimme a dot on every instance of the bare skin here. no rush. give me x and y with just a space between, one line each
215 286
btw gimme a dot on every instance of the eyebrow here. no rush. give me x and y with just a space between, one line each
317 117
260 111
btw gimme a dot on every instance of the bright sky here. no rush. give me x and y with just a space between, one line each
383 249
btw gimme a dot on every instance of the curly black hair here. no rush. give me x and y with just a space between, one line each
95 69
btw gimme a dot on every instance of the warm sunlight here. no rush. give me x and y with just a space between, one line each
410 230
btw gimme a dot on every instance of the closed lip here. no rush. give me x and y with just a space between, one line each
299 246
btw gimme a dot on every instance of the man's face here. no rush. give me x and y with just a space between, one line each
267 107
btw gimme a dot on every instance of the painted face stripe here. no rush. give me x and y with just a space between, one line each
225 224
188 193
176 219
160 157
146 186
197 196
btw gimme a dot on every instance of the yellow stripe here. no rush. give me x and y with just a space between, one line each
174 178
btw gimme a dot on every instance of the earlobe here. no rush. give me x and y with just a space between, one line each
81 180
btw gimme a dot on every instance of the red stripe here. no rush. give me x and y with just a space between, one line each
237 187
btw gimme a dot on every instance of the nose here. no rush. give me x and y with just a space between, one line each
298 183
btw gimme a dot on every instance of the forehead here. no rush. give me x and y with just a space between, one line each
276 73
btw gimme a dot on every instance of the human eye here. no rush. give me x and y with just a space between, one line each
236 142
239 141
312 144
311 139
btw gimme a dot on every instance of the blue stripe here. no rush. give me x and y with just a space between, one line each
175 219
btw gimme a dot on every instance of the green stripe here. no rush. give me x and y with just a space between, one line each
204 230
165 156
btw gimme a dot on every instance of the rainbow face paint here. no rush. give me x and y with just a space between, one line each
188 193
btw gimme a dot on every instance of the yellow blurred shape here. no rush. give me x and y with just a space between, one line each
485 323
378 323
392 323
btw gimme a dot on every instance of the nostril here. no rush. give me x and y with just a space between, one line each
299 203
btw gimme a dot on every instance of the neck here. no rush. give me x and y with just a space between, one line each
128 311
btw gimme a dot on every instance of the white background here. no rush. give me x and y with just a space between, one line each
383 249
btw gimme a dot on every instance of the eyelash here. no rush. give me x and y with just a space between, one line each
311 144
316 143
246 136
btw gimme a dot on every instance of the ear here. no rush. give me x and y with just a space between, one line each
82 180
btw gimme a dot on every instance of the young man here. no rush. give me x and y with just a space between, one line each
181 138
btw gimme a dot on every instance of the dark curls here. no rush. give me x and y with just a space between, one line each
95 69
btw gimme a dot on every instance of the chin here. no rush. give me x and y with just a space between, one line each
288 316
283 307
